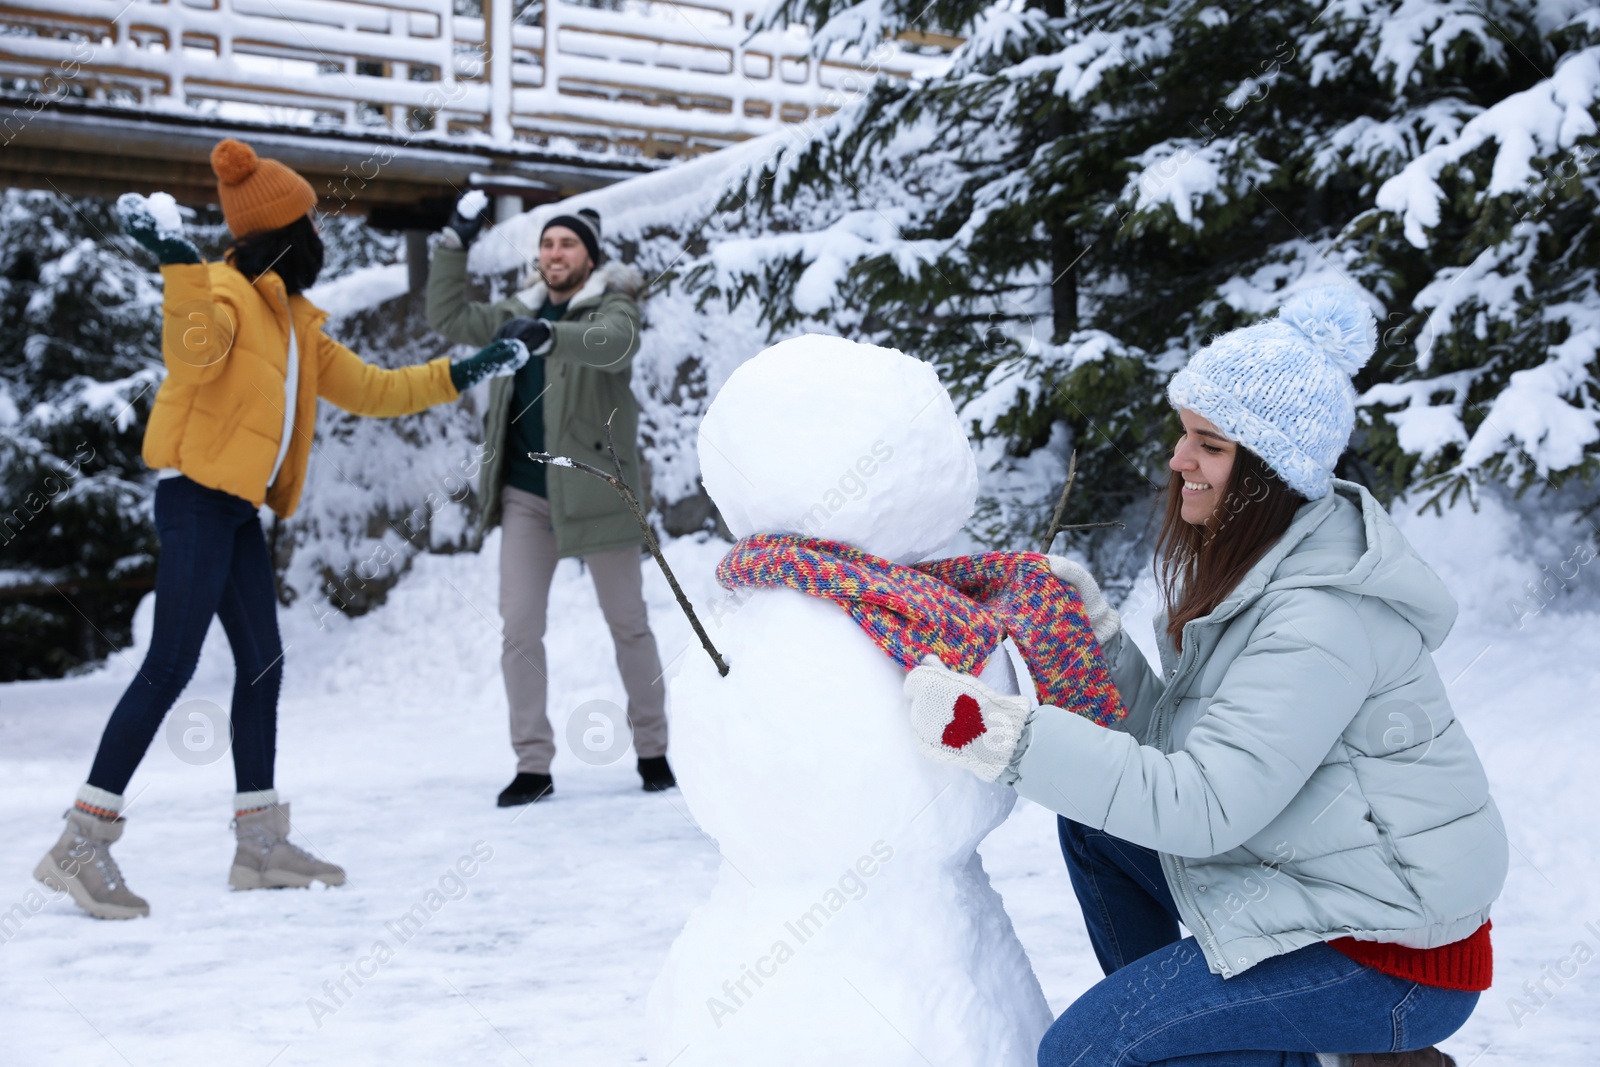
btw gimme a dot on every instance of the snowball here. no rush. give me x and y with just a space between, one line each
471 205
164 209
848 442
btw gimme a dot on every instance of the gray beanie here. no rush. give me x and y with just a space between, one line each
586 224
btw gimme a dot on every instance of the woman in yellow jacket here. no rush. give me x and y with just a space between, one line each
231 429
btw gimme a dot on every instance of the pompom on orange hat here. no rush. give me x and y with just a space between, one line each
257 194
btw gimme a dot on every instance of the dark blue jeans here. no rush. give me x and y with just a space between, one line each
214 561
1160 1003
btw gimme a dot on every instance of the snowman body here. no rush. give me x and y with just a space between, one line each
852 921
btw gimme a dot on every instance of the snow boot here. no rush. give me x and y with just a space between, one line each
80 865
525 788
657 776
267 860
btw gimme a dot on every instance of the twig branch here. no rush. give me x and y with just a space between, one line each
1091 526
1061 504
618 483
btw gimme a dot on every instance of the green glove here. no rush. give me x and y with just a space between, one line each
140 223
493 360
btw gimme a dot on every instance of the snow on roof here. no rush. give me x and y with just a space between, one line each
360 289
659 198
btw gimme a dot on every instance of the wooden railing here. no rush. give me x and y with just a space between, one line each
631 78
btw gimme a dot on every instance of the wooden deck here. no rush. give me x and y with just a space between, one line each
398 106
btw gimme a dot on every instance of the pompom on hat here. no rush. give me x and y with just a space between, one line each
257 194
1281 388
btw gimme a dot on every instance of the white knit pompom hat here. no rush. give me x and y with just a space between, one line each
1281 388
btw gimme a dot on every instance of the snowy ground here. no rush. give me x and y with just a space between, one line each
392 746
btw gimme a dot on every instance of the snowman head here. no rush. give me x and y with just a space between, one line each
848 442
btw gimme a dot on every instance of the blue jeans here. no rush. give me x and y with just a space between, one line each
214 561
1160 1003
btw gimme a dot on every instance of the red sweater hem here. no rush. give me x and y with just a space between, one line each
1467 964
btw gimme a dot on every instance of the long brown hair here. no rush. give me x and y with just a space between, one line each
1198 566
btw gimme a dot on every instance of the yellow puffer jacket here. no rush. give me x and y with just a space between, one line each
218 416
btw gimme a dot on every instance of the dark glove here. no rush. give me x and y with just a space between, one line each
139 222
535 333
467 229
495 359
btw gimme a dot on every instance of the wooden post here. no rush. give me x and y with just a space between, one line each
497 50
417 260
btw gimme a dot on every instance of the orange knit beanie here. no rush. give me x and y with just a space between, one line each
257 194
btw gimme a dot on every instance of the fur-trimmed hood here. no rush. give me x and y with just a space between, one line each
609 277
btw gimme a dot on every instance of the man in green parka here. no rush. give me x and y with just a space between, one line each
580 321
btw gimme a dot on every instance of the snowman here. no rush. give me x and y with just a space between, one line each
852 921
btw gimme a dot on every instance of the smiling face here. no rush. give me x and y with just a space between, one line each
563 261
1204 458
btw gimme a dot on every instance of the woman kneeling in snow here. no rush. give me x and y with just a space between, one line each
246 360
1293 787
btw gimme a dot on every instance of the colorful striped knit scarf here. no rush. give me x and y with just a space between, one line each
958 609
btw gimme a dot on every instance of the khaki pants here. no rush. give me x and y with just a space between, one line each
527 565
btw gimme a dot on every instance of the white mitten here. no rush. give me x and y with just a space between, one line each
958 719
1103 618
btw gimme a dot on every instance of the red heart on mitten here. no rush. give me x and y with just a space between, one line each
965 725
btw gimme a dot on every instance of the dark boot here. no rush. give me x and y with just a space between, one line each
1423 1057
656 774
526 788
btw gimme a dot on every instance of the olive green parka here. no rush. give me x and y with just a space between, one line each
587 373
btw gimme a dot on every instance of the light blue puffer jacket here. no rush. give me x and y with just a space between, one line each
1298 766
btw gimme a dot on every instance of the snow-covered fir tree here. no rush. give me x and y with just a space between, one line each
1088 193
79 364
